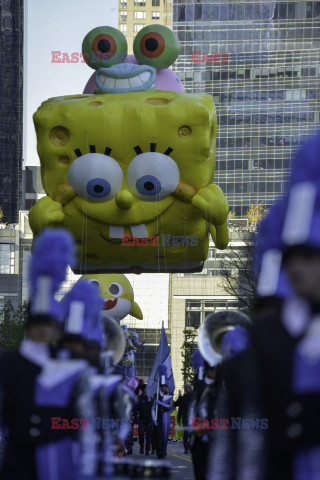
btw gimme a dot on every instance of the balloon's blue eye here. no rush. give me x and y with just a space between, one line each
95 177
98 188
148 185
152 176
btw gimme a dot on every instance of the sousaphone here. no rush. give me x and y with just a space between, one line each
115 341
212 330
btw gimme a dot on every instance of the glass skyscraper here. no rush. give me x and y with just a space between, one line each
11 79
260 60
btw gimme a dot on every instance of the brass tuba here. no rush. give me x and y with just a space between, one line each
115 341
212 330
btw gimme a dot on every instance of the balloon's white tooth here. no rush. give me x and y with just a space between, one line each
139 231
109 82
134 81
144 77
116 231
122 83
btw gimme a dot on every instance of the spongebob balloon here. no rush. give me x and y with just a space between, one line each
117 293
131 174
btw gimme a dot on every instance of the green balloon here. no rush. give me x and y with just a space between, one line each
104 47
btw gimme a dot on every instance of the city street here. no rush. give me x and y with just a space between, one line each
181 463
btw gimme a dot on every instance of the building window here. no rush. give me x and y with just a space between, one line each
196 76
139 3
137 27
123 4
181 13
123 16
144 359
196 311
140 15
193 314
156 3
155 15
198 12
193 319
145 356
5 258
123 27
308 71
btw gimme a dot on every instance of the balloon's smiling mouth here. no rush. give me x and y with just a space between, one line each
125 78
125 83
109 304
109 239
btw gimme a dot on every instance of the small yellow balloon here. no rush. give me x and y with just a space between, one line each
117 293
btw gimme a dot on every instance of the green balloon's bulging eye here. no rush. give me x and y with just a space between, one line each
156 45
104 47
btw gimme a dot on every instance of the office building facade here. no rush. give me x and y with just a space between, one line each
9 264
260 62
133 15
11 100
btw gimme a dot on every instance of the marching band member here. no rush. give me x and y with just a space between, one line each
163 405
63 387
29 425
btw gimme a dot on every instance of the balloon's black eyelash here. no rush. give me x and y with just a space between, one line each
137 149
153 148
168 151
92 148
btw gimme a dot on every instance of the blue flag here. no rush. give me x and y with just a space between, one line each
163 356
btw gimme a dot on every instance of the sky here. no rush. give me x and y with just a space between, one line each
58 25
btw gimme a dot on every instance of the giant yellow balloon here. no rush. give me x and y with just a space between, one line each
131 176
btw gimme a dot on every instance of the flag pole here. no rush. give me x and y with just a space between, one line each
158 386
157 399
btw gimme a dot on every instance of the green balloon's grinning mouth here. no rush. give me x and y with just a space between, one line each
140 80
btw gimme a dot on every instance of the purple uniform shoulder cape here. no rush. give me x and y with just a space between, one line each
103 387
67 459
